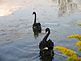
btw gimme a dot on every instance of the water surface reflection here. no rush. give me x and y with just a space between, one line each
66 7
22 46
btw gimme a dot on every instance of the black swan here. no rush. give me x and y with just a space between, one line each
36 26
46 46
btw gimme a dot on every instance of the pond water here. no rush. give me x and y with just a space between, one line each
17 42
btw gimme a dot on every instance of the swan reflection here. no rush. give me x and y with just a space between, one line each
66 7
36 34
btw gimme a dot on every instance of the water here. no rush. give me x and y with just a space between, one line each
17 42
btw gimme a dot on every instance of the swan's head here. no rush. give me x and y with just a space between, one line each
47 29
34 12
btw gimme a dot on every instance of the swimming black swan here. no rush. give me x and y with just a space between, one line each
36 26
46 46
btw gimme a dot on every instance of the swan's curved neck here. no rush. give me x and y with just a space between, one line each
46 36
35 19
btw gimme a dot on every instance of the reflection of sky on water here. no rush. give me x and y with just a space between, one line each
68 6
21 8
48 13
51 13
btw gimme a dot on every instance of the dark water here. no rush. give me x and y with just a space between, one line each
17 40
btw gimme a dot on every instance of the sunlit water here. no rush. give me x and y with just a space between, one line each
17 42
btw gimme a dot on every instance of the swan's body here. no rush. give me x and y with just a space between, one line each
46 47
36 26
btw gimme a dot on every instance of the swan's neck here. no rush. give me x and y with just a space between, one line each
35 19
46 36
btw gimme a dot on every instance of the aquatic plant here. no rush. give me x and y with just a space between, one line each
79 24
79 49
74 58
66 51
78 43
77 36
